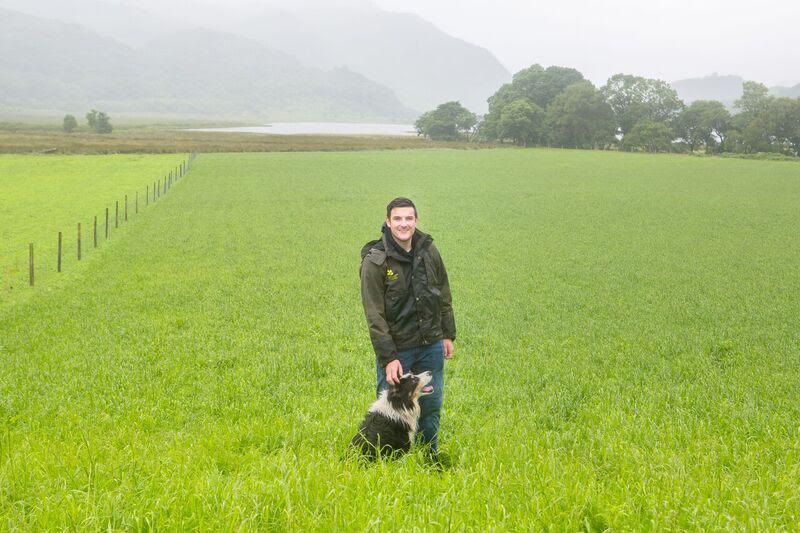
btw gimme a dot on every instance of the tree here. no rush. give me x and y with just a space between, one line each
704 122
751 119
537 85
70 123
448 121
580 118
648 135
522 122
754 138
781 120
635 99
99 121
490 126
754 100
542 85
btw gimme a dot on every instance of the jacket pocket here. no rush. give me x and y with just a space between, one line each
394 305
436 303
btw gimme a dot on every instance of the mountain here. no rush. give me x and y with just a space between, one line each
421 64
726 89
125 23
235 74
791 92
45 64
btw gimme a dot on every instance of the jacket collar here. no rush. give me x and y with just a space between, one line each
419 242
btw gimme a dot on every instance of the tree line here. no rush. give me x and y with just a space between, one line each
98 122
557 106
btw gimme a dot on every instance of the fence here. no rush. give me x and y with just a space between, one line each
159 188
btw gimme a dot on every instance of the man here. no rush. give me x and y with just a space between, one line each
406 297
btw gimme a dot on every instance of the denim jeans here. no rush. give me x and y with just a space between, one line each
416 360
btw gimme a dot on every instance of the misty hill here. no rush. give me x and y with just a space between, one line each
791 92
124 23
420 63
56 66
725 89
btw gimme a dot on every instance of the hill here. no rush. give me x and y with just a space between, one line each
421 64
726 89
46 64
125 23
791 92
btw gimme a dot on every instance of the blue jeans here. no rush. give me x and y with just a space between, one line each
416 360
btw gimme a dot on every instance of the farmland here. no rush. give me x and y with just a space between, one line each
44 195
628 353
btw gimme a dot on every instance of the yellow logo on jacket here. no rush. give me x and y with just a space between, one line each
391 275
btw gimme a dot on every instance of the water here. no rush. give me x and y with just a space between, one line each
323 128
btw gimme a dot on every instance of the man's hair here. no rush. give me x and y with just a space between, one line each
400 202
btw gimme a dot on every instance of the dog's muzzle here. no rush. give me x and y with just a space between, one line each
427 389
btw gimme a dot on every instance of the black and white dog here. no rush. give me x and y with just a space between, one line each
391 422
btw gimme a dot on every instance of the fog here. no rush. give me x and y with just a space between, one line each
373 60
666 40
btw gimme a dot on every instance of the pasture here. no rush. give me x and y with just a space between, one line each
628 351
42 195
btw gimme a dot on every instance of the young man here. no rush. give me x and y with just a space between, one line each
407 303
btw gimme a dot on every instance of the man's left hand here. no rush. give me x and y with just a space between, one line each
448 349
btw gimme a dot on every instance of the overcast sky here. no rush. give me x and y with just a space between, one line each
669 40
655 38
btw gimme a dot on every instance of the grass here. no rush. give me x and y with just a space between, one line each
627 353
26 138
43 195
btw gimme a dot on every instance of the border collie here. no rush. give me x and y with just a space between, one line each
391 422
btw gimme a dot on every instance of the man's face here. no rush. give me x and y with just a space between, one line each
403 222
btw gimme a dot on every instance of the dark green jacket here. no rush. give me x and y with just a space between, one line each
406 301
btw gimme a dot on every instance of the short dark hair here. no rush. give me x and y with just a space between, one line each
400 202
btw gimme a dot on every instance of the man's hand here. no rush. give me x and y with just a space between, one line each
393 372
448 349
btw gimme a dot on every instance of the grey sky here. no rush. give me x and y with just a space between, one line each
669 40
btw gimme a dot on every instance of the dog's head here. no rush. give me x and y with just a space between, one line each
409 389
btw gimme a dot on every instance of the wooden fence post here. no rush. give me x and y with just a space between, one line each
116 213
30 264
79 241
106 223
59 251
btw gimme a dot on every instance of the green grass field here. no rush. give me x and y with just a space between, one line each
628 352
42 195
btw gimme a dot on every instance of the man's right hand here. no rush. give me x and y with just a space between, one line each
393 371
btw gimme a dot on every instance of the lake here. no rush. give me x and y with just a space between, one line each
322 128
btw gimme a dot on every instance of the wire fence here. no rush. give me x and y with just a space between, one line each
124 210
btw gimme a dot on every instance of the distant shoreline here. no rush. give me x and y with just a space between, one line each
320 128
